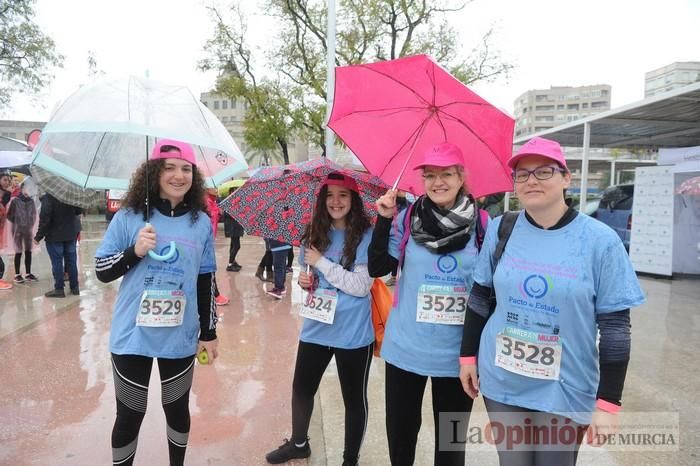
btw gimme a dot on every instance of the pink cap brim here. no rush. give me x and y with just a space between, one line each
346 182
186 151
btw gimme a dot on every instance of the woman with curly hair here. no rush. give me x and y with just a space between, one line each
164 308
337 316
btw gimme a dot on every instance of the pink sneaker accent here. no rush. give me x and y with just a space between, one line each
5 286
221 300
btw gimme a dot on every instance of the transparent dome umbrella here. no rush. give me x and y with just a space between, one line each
99 135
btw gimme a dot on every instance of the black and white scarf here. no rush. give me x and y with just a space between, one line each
443 230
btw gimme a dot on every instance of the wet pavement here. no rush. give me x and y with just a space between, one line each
57 400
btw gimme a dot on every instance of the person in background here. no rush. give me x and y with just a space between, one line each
213 211
264 272
59 225
141 330
563 279
279 251
5 194
233 230
22 218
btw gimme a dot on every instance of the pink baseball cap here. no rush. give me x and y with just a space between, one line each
338 179
186 151
539 146
441 155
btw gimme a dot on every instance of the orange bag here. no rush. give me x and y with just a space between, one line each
382 301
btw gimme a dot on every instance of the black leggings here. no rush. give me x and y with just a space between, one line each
353 372
27 262
540 449
234 248
404 400
131 376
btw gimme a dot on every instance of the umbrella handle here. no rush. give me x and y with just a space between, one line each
172 249
170 253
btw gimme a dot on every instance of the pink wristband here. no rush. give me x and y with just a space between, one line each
464 360
607 406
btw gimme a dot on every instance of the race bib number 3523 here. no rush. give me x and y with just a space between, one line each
439 304
161 308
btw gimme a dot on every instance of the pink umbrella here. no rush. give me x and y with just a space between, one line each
388 111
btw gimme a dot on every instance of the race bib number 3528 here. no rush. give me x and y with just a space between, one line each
527 353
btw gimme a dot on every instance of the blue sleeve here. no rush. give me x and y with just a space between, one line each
616 283
396 234
483 271
301 256
361 252
117 237
208 263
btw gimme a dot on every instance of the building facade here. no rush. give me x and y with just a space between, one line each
231 113
541 109
670 77
15 129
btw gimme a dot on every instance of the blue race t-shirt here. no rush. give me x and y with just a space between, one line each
434 285
352 325
538 349
195 255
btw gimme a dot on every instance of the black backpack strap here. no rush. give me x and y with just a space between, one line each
504 230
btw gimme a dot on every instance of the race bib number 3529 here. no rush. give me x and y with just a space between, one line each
161 308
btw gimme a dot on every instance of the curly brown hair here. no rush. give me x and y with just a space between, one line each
136 196
357 222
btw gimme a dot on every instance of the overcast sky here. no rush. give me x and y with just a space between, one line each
550 42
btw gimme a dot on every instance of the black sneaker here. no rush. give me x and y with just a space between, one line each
19 279
75 291
288 451
57 293
233 268
30 277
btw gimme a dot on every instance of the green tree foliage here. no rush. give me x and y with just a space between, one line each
26 54
366 31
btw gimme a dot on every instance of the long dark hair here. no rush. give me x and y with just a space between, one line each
357 222
136 196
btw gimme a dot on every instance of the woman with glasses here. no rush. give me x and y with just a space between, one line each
562 279
337 319
435 246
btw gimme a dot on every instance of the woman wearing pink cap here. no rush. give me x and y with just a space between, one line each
337 320
435 246
164 308
562 279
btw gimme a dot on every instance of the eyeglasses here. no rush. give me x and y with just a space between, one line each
521 175
445 177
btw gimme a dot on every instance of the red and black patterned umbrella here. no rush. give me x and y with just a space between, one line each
277 202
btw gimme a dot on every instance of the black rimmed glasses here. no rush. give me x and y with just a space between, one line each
521 175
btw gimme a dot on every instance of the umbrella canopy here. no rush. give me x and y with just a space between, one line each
690 187
14 158
224 187
277 202
65 191
390 113
104 131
